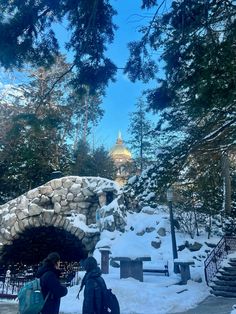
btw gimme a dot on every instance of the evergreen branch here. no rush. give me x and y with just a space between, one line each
152 21
54 84
91 22
214 135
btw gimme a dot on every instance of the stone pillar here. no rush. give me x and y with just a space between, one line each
105 260
184 271
132 269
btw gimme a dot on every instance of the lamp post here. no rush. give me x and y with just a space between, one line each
169 195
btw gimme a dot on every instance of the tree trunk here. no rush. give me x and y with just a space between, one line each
226 184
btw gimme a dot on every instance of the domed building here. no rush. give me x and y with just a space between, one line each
123 160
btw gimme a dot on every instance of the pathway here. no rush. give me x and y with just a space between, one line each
8 308
213 305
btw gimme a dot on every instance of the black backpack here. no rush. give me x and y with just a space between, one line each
110 303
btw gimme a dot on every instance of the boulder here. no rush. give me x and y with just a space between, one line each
67 183
57 207
56 184
45 190
56 198
34 209
156 244
193 247
87 192
161 232
32 194
70 196
24 202
75 189
140 233
149 229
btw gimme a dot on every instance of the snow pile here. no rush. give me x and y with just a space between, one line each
157 294
234 310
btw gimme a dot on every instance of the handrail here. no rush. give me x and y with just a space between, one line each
226 245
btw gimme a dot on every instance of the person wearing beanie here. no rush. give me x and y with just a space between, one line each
52 289
93 285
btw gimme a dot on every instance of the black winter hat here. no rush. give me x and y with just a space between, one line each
90 263
53 257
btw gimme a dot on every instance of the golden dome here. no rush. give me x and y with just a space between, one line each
119 150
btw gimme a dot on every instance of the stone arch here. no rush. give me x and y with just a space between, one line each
67 203
33 244
46 219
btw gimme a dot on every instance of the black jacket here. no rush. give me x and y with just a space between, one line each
49 280
94 285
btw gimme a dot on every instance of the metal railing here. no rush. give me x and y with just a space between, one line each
212 264
9 287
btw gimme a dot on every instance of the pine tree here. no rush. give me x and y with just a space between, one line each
37 126
83 164
196 97
103 164
141 139
27 155
27 36
95 163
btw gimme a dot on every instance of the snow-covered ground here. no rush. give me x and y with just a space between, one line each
157 294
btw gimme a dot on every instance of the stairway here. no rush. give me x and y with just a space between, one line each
224 283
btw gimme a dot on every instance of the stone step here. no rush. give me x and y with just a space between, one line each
224 288
223 294
222 276
233 264
227 272
222 282
229 268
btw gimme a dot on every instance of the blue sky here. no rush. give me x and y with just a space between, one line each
122 95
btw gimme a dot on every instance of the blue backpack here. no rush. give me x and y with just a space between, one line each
30 297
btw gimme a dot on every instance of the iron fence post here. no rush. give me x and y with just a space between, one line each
226 246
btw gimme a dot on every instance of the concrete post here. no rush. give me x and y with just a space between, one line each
105 260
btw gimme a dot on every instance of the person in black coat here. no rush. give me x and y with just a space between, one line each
52 289
93 285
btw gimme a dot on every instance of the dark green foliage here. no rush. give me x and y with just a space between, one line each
141 139
83 160
29 154
200 185
198 39
27 36
196 98
140 66
95 163
148 3
37 126
103 164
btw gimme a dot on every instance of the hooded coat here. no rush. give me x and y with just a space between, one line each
94 286
49 281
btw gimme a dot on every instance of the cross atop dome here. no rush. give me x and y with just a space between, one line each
119 138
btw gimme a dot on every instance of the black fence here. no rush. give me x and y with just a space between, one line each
9 288
11 284
212 264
